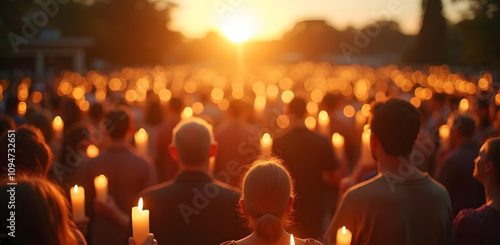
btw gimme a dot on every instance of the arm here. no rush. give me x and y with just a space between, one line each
111 210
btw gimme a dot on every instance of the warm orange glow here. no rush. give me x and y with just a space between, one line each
292 241
283 121
187 113
140 204
310 123
444 131
92 151
349 111
464 105
21 108
239 27
415 102
197 107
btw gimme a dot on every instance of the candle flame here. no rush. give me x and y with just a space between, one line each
344 230
292 241
140 204
323 116
75 189
337 139
57 120
266 137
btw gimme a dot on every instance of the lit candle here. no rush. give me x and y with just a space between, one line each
101 188
464 105
344 236
444 133
338 145
366 156
92 151
323 122
78 202
266 143
292 241
141 141
57 126
140 223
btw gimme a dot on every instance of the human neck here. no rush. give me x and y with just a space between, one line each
200 167
492 194
255 239
398 166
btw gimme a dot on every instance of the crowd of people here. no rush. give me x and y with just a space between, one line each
428 173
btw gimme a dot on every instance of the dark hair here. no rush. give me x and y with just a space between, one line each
39 120
33 155
493 155
396 123
96 111
117 123
6 123
43 213
75 142
464 124
297 107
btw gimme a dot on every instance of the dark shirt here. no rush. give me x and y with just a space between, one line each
166 167
477 226
193 209
306 155
456 176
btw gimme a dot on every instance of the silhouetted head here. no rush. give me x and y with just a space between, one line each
396 124
32 155
267 197
193 141
461 125
297 107
117 123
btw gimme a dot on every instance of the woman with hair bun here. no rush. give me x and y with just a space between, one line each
266 201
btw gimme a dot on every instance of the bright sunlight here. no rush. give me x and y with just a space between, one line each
239 28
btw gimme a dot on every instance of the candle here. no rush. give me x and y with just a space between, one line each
141 141
323 122
344 236
266 143
444 133
78 202
292 241
57 126
101 188
140 223
366 156
338 145
92 151
464 105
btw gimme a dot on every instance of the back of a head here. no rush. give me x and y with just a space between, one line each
267 189
33 155
493 155
464 124
96 111
42 211
396 123
297 107
237 108
193 139
117 123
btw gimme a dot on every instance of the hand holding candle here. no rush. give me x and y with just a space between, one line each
78 202
140 223
101 188
344 236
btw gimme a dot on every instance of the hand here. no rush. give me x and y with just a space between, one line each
82 225
149 241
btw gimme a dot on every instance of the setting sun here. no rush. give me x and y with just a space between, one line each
239 28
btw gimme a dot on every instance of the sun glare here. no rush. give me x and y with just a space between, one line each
239 28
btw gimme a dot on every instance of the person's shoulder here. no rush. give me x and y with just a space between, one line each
233 190
310 241
157 190
232 242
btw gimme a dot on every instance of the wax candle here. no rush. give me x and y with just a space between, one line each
78 202
141 141
92 151
366 156
266 143
140 223
323 122
101 188
292 241
344 236
444 133
57 126
338 145
464 105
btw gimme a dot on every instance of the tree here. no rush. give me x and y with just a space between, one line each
431 40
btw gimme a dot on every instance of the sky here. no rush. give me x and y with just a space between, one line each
269 19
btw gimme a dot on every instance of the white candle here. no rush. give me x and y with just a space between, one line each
92 151
323 122
292 241
338 145
141 141
366 156
57 126
101 188
266 143
140 223
344 236
78 202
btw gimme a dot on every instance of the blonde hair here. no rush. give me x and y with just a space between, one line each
266 191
